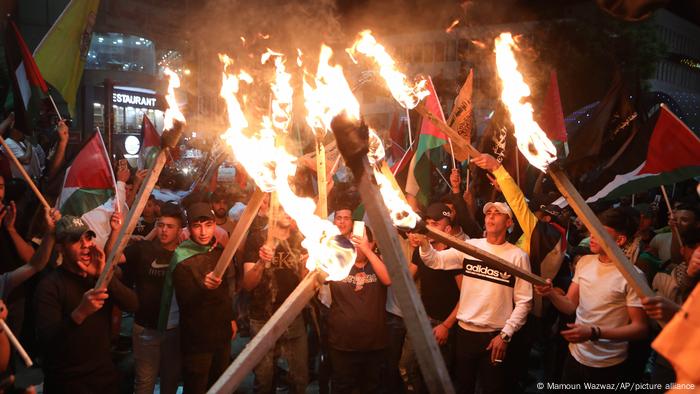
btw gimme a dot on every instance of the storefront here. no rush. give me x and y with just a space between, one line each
129 106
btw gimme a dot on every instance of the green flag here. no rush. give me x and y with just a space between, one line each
184 251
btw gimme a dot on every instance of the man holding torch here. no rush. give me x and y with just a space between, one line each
493 305
608 311
204 309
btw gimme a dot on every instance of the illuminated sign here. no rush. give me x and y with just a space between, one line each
132 99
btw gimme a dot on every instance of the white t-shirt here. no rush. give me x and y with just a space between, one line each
604 296
19 149
490 299
661 243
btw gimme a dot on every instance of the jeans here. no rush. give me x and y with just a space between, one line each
473 360
397 336
448 354
201 370
356 370
292 346
575 372
156 354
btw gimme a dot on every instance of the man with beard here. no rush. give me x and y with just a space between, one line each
73 319
273 269
220 205
155 353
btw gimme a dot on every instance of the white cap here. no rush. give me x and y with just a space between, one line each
500 207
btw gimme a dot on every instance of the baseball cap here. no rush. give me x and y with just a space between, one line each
437 211
500 207
72 228
551 209
198 211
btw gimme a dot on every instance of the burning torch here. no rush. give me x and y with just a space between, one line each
173 124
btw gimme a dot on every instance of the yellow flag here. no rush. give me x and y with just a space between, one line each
61 54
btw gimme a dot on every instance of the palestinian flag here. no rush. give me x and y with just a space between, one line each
664 152
430 137
89 181
28 86
150 144
552 116
184 251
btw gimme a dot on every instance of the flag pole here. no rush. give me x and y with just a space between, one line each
670 212
60 118
20 168
452 152
15 343
408 122
117 207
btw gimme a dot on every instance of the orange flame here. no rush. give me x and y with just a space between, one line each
532 141
452 26
282 92
173 112
330 96
271 167
408 95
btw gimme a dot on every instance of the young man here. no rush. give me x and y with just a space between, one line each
608 312
665 246
156 353
205 309
73 319
147 221
440 288
273 269
493 305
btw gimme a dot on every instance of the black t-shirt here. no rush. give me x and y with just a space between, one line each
205 314
146 265
279 279
357 316
143 227
77 352
438 289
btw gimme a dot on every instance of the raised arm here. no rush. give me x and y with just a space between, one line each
39 259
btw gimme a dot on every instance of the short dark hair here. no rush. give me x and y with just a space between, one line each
624 220
172 210
689 207
218 195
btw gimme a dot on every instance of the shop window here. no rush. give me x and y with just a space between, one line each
98 119
122 52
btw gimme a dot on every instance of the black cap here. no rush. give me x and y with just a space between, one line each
551 209
437 211
199 211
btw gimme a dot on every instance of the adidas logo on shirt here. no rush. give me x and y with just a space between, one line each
476 269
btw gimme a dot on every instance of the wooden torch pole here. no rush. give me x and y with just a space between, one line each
239 232
353 141
139 204
593 224
265 340
322 207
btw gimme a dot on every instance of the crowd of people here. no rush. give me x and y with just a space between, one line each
496 332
